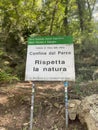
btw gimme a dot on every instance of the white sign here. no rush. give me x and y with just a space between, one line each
50 61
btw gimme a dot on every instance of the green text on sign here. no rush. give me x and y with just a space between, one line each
40 40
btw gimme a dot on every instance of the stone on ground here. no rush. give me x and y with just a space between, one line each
86 110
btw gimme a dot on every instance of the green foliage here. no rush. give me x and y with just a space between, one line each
20 18
6 77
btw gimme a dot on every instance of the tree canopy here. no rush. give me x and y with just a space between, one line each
21 18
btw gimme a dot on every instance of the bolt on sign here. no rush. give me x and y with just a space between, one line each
50 58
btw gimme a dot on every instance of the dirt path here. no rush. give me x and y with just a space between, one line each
49 111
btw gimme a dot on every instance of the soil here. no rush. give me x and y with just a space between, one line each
49 106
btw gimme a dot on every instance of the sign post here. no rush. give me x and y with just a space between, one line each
66 103
32 106
50 58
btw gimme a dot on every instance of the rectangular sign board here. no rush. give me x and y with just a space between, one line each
50 58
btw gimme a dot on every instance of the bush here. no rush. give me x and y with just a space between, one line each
5 77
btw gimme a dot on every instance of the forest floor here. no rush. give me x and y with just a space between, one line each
49 108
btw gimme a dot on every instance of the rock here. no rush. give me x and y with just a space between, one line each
88 112
95 75
2 128
73 106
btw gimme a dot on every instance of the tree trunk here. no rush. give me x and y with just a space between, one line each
53 17
66 17
81 8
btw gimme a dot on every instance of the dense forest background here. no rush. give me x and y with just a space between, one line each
20 19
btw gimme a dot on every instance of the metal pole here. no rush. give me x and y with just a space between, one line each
32 106
66 102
